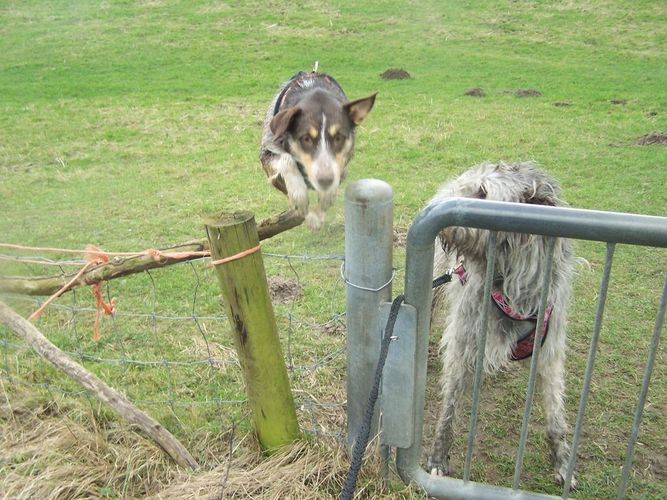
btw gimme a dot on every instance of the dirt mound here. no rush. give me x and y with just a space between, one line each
336 327
652 139
619 102
562 104
528 93
284 290
395 74
475 92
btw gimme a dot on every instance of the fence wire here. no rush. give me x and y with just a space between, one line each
169 348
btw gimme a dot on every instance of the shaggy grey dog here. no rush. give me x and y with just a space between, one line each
517 284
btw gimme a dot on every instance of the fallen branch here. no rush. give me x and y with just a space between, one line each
27 331
118 267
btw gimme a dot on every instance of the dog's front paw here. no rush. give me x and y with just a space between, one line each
314 219
297 191
299 200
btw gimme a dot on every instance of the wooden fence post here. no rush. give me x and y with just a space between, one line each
246 296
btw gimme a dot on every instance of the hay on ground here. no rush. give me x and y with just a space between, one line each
62 450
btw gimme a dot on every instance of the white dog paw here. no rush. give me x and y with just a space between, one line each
299 200
297 191
560 480
438 469
314 219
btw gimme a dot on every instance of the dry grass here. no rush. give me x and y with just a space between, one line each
54 451
301 471
51 451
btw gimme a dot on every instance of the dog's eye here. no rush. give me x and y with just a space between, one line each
338 140
306 141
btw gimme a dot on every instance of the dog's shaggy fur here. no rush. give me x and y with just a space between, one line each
519 267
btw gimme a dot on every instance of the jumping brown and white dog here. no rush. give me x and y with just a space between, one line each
517 285
308 139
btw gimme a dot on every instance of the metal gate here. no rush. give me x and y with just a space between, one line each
368 275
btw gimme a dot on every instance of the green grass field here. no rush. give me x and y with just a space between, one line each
123 124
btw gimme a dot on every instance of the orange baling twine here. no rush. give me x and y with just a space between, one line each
237 256
95 256
152 252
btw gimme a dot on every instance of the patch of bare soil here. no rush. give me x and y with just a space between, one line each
284 290
562 104
619 102
333 328
652 139
528 93
475 92
395 74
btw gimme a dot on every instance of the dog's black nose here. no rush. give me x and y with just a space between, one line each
325 182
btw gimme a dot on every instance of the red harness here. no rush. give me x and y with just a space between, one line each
524 346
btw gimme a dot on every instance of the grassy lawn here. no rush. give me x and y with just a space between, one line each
123 124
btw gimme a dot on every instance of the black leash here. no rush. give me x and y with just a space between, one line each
364 432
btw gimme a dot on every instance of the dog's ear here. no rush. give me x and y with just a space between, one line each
542 194
357 110
281 122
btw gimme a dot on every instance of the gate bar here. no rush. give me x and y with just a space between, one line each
481 349
537 348
497 216
644 391
588 374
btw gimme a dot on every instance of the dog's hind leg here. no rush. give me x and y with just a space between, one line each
552 382
456 382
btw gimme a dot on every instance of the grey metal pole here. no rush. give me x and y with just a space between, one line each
368 276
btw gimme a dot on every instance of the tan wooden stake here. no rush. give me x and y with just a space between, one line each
246 296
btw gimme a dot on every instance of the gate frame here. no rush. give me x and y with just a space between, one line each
610 227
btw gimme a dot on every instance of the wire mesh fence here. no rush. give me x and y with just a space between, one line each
168 345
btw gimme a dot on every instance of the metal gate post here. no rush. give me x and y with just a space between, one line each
368 275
